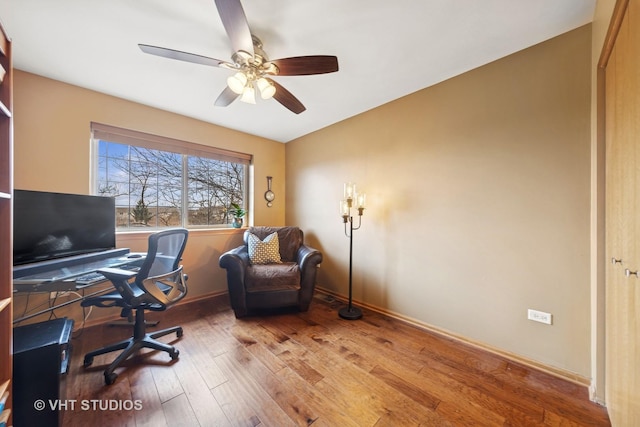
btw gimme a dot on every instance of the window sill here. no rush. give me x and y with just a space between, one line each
200 231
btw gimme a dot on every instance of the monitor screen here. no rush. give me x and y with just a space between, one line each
54 225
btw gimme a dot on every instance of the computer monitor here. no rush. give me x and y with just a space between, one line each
50 225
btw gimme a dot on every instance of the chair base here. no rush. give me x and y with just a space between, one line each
140 340
126 322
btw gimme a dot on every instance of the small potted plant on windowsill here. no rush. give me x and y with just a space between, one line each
237 212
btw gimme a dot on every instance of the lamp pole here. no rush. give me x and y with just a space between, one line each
350 312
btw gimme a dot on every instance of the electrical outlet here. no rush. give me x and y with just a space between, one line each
539 316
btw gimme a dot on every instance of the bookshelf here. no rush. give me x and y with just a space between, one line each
6 221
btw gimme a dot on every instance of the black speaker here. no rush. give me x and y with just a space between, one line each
41 354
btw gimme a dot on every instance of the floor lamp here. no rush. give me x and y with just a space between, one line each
350 195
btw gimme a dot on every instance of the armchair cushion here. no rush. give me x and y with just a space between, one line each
265 251
272 277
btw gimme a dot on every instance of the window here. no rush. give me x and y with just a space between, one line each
161 182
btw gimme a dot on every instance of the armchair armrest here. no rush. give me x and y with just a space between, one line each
235 262
309 260
308 257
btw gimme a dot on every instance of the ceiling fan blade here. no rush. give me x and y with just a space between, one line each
226 97
306 65
235 24
287 99
182 56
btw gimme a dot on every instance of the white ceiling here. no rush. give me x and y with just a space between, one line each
386 49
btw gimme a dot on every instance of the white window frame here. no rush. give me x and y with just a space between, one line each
118 135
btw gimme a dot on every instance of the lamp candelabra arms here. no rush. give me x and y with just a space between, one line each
348 231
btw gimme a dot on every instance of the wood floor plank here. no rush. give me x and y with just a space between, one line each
360 396
239 411
449 389
167 382
469 414
406 387
204 405
249 335
179 413
281 395
144 393
315 368
484 385
250 391
199 349
330 413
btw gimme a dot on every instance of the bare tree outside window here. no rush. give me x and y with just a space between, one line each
148 185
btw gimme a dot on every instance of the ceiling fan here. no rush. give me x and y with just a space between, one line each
250 62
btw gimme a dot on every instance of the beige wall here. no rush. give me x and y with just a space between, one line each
51 138
478 203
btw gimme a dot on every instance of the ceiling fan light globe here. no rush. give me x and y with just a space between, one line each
237 82
267 89
248 95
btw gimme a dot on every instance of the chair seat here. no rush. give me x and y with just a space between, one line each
114 299
272 277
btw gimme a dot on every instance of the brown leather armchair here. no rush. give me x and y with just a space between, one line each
290 283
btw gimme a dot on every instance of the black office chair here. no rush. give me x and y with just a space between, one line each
158 284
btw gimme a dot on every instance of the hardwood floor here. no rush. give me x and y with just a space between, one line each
314 368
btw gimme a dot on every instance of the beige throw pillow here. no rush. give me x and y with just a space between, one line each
265 251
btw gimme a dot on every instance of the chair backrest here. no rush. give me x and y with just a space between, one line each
289 238
165 289
163 253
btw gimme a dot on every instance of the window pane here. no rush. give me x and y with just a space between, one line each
212 186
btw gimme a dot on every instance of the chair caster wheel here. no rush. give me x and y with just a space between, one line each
110 378
179 333
174 355
87 361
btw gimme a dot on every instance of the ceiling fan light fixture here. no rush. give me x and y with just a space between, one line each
250 64
248 95
237 82
267 89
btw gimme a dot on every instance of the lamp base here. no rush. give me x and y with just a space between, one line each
353 313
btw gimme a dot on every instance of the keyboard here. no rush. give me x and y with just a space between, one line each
89 279
95 277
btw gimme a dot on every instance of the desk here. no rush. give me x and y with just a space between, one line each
61 275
